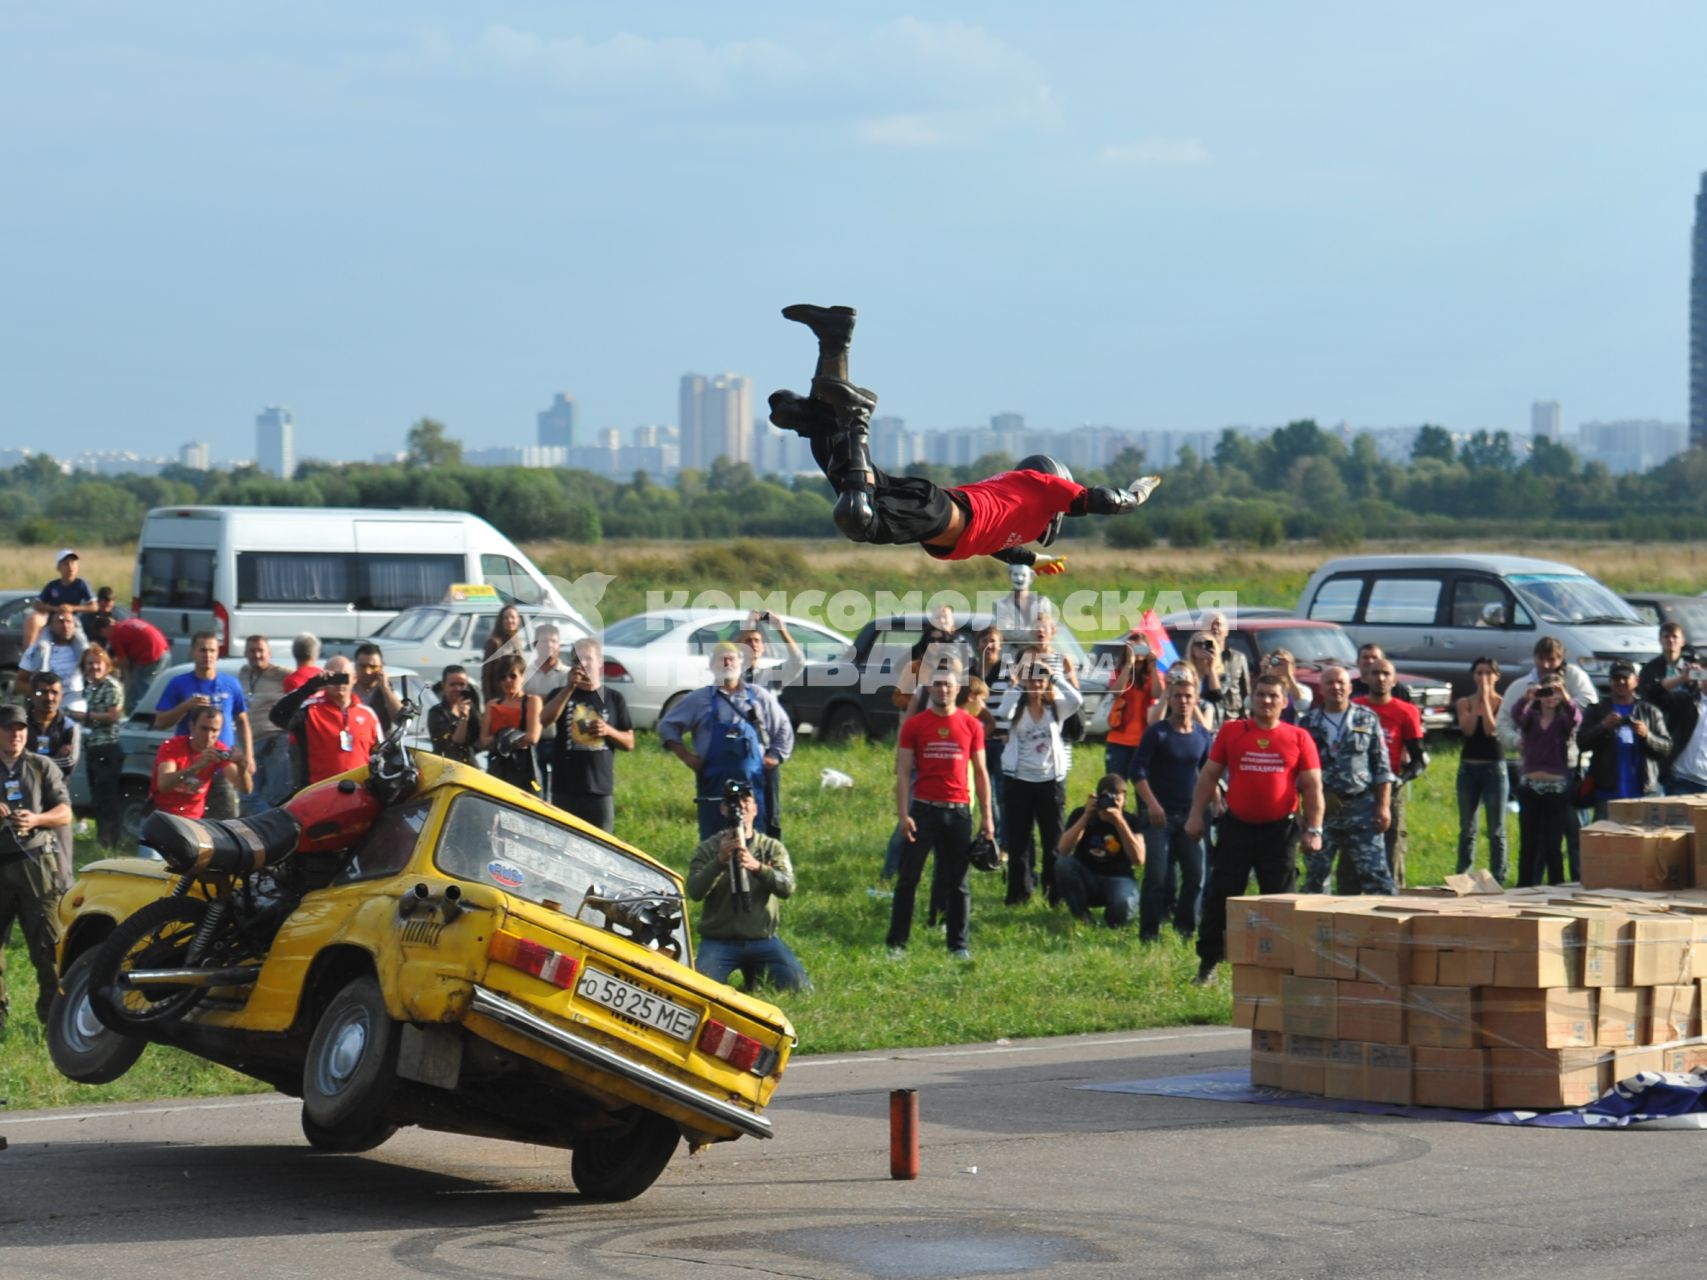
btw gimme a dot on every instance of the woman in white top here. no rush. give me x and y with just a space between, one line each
1034 770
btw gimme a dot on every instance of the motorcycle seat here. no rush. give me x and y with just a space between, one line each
235 846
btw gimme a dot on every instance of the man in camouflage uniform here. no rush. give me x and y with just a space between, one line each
1357 784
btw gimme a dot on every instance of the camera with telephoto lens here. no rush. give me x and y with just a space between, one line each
1107 800
734 792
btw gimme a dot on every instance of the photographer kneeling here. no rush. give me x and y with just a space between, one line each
742 877
1099 856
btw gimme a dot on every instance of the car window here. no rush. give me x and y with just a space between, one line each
1570 597
1239 642
819 646
1692 616
412 625
1311 646
483 624
176 577
642 628
1479 602
12 613
294 577
389 844
1645 610
1403 601
399 581
542 861
1336 600
513 583
456 635
703 638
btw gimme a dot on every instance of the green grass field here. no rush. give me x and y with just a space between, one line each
1034 971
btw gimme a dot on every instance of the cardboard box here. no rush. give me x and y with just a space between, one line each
1698 852
1450 1078
1536 949
1540 1079
1387 1073
1551 1018
1268 1059
1441 1017
1654 811
1316 951
1609 946
1258 930
1389 968
1256 997
1621 1015
1464 954
1627 1062
1371 1012
1662 950
1306 1060
1616 855
1683 1057
1674 1013
1424 965
1342 1069
1309 1007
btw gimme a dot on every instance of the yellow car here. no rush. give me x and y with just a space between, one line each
468 965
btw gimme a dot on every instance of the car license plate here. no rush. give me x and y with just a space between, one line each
631 1002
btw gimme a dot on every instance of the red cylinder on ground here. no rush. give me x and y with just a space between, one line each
904 1134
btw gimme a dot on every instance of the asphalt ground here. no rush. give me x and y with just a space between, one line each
1023 1172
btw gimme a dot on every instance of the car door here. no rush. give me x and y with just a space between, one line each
1401 613
1483 618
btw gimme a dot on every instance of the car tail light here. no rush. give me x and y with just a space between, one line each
530 957
222 622
614 670
741 1052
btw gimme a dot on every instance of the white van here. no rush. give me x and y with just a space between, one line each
340 572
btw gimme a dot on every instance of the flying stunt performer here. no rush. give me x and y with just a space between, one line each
992 517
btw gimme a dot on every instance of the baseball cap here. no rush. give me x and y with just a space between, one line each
66 551
12 716
1621 667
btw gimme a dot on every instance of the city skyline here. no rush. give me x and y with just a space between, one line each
1133 214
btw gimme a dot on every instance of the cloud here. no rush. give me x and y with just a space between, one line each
906 84
1155 153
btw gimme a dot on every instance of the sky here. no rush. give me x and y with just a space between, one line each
1151 216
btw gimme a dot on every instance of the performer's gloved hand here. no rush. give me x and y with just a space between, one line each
1049 566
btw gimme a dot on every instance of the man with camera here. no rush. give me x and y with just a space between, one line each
1686 705
1099 853
1663 676
728 729
34 803
453 722
56 736
330 733
207 686
742 875
1629 740
184 768
1357 787
592 724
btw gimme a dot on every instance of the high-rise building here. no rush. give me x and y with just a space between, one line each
1545 420
1698 325
716 413
275 442
193 455
1000 422
557 424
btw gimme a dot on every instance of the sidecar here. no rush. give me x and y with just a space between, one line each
477 962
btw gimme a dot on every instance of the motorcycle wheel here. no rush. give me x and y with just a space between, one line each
350 1140
80 1045
618 1164
156 937
351 1069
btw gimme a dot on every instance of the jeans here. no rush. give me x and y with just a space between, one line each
766 958
106 774
1542 818
947 833
1033 808
1268 848
1482 785
1081 889
1398 832
1118 757
1678 785
597 811
1168 850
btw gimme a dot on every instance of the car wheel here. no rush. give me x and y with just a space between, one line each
156 937
618 1164
844 723
8 682
363 1135
133 808
670 704
351 1069
80 1045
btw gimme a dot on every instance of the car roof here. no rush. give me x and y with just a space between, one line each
707 615
1488 562
1257 620
485 606
1674 596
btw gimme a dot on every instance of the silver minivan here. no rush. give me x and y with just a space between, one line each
1436 614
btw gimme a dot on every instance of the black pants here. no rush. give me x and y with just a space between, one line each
909 508
600 811
1269 849
1032 809
106 776
947 833
1543 824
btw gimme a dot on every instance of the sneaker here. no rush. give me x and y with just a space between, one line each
960 953
897 953
1205 974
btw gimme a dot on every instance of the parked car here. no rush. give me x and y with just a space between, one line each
852 695
654 658
1655 607
1437 614
453 968
15 606
430 637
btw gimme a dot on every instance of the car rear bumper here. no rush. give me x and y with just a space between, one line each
509 1014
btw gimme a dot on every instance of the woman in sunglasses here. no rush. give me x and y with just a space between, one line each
1547 723
1035 763
1205 657
510 728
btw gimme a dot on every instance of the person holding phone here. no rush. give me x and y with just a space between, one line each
592 725
1134 688
1547 725
1629 739
207 686
184 768
331 731
453 723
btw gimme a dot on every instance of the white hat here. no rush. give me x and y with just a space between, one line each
66 551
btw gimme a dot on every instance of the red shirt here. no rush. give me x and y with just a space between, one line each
1263 767
1401 722
323 727
186 804
300 677
137 642
1009 510
942 748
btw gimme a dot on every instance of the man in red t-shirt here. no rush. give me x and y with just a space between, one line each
1268 764
993 517
140 652
940 744
1403 725
185 766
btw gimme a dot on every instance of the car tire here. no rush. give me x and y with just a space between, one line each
133 808
352 1139
844 723
157 936
8 682
80 1044
670 704
351 1069
618 1164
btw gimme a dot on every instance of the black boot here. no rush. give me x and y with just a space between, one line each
845 398
850 472
809 418
833 327
1102 500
